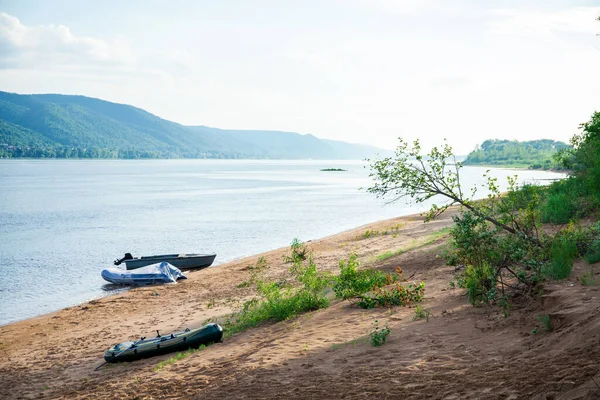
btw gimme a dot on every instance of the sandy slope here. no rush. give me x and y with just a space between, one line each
462 352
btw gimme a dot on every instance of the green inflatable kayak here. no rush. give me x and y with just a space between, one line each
162 344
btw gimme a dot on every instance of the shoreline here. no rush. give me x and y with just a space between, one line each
29 345
458 352
241 259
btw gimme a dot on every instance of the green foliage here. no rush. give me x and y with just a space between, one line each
472 240
566 200
333 170
563 250
374 233
535 153
395 295
505 305
586 237
584 158
256 273
546 322
389 254
370 232
58 126
379 335
421 177
559 208
278 301
298 254
421 313
589 277
409 174
352 282
488 253
500 239
480 282
593 254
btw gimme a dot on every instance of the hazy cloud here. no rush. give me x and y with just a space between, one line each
355 70
547 24
55 45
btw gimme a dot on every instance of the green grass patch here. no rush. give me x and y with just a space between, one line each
390 253
281 300
390 230
559 208
593 254
546 322
434 237
352 282
421 313
563 251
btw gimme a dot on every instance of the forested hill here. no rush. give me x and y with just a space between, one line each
61 126
535 153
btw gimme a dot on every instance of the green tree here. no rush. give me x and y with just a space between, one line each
410 174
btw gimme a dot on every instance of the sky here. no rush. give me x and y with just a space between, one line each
361 71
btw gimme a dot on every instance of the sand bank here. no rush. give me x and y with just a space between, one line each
462 352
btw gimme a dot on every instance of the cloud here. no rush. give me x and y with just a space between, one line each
50 46
544 24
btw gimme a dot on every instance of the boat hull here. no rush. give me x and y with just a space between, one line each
148 275
180 341
181 261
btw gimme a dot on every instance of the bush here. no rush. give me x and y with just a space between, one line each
546 322
480 282
298 254
279 301
421 313
563 251
593 254
472 239
351 282
379 335
397 295
559 208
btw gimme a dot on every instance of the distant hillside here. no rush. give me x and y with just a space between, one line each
535 153
61 126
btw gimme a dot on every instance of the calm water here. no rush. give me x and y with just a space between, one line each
62 222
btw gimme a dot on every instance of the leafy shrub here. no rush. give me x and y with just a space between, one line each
351 282
379 335
523 197
421 313
280 300
559 208
546 322
370 232
480 282
563 250
298 254
396 295
472 240
593 254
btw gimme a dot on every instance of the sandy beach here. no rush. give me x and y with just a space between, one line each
461 352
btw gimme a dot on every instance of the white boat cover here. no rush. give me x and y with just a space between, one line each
151 274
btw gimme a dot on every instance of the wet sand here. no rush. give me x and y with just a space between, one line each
461 352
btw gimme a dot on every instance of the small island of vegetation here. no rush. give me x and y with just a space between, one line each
533 154
333 170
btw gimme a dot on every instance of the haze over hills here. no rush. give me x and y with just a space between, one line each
65 126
